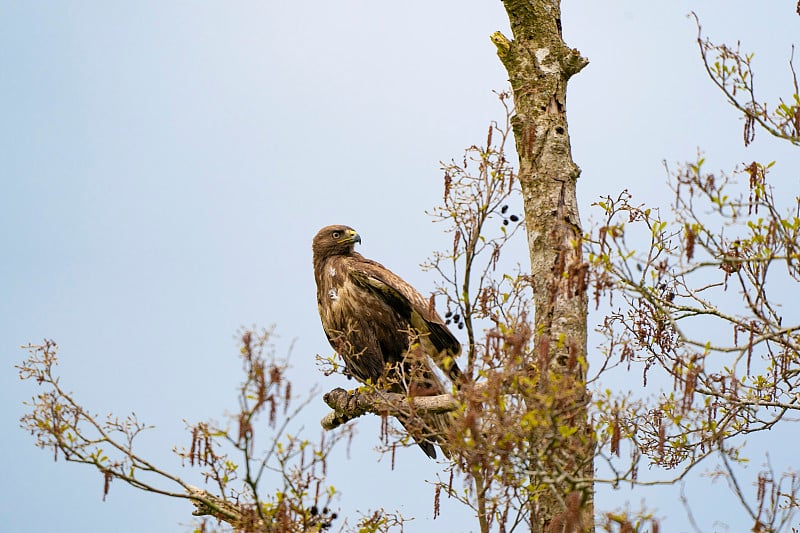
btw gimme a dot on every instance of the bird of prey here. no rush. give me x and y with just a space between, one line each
384 330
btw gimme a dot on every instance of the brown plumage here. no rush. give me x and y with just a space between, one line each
383 329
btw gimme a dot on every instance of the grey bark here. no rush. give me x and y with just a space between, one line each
539 65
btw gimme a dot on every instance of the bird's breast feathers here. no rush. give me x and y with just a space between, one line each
334 294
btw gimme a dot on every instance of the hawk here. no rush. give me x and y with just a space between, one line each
383 329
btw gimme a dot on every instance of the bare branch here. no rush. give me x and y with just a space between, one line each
350 405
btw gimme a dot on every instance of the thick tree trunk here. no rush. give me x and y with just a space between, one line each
539 65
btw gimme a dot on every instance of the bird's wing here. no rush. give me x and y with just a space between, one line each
411 305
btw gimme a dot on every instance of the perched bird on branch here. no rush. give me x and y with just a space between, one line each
384 330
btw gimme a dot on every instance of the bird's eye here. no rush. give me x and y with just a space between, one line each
336 234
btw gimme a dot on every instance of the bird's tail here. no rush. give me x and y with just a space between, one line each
429 431
416 378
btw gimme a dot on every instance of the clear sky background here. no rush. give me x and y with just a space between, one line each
164 165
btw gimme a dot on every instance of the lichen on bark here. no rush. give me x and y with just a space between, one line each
539 65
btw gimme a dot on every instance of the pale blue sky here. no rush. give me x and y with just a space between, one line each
164 165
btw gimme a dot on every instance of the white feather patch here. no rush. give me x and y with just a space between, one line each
333 294
332 271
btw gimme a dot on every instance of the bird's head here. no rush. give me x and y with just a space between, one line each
334 240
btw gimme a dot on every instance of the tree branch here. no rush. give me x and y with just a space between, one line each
207 504
349 405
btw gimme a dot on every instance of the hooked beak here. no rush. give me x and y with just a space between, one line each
352 236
